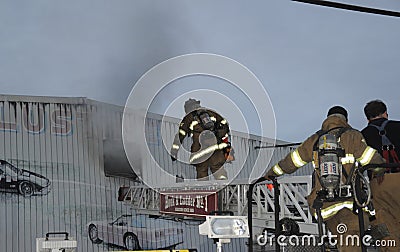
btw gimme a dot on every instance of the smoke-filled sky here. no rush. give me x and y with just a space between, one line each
307 57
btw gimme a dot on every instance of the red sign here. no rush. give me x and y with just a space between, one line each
190 203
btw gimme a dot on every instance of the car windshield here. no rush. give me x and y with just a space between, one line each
138 221
10 170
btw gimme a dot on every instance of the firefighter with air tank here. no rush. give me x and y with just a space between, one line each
335 151
210 134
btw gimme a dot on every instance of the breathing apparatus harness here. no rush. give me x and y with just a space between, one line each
211 131
388 149
204 118
328 155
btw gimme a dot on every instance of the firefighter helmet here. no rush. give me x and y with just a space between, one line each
191 105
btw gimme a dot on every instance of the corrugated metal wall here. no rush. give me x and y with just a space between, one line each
62 140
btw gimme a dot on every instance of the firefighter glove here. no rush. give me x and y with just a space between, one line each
378 173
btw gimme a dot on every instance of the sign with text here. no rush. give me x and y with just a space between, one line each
190 203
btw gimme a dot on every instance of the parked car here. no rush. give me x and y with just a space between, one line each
24 182
136 232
